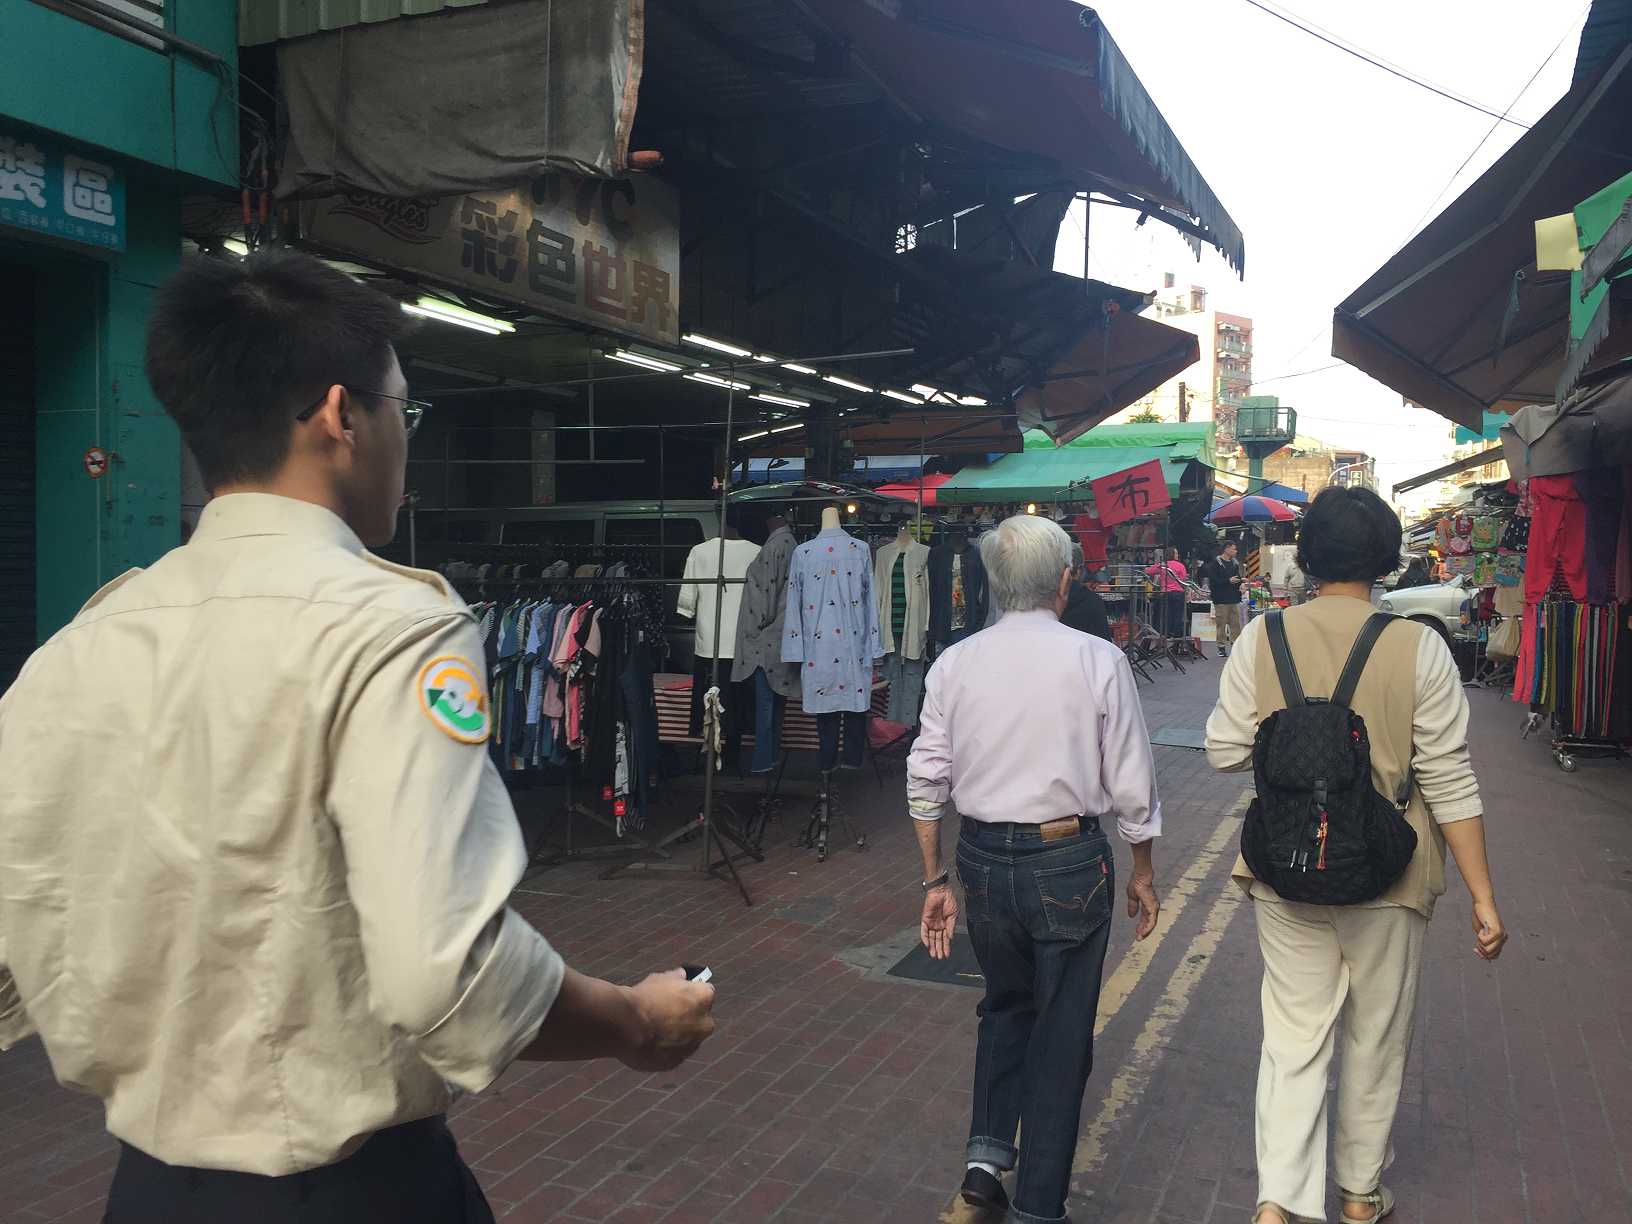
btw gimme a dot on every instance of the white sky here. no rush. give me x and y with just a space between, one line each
1328 165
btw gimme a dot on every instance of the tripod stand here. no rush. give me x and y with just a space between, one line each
824 813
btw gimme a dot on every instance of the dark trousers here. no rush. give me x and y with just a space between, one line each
831 729
1173 608
1039 916
410 1174
768 708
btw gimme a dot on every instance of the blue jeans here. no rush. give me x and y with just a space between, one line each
768 707
1039 916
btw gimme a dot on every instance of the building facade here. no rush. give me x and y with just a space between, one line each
1212 389
91 184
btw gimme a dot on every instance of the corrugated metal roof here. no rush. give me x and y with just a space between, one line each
1608 29
264 21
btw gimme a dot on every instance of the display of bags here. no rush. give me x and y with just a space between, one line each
1487 533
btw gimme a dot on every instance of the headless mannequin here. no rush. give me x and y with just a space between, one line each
830 518
903 536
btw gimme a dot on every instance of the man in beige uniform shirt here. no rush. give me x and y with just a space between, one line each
254 859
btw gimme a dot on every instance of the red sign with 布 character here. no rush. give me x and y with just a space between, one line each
1131 493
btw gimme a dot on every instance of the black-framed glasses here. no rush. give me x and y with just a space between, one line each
413 410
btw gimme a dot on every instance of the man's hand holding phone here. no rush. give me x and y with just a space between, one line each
676 1016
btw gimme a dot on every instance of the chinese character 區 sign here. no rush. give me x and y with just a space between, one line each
57 193
601 251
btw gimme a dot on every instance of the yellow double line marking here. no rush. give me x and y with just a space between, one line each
1129 1084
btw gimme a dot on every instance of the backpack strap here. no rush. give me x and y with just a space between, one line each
1291 687
1343 695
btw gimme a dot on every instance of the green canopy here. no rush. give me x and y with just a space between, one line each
1190 433
1043 475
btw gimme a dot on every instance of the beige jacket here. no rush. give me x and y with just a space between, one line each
254 860
916 629
1416 716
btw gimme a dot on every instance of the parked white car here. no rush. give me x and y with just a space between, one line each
1439 605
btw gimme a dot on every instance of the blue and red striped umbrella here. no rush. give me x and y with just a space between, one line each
1251 509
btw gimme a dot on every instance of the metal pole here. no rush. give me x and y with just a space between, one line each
714 679
589 371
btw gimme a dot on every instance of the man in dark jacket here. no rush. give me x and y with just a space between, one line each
1223 576
1084 609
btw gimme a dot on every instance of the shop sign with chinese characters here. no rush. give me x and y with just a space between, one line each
605 252
54 192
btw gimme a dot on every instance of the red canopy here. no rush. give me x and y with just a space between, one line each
907 490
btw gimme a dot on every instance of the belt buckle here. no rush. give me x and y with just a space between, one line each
1058 830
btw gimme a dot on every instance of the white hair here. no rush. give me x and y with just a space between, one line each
1024 558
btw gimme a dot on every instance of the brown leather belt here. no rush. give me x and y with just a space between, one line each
1053 830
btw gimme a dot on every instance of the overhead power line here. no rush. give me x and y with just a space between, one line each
1517 98
1359 53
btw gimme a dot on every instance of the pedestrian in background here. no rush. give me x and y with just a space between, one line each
1223 575
1035 734
1169 575
1084 609
270 929
1360 962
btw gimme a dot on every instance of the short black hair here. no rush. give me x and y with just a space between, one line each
236 349
1349 535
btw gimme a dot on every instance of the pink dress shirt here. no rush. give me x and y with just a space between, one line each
1168 574
1029 721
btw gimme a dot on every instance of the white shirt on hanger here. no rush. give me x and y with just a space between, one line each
698 596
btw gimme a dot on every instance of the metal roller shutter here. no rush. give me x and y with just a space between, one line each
17 504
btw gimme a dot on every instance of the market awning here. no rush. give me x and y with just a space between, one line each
1459 321
1450 469
1064 474
1591 428
910 490
1198 434
991 69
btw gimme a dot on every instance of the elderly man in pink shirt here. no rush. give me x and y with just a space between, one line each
1033 731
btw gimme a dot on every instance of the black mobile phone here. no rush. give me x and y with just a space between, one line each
698 973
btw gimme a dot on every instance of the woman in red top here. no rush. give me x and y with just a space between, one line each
1170 576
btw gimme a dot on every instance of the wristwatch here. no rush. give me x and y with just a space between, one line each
945 876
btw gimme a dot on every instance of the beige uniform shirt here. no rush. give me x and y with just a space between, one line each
254 860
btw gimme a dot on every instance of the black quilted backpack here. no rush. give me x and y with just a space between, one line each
1319 830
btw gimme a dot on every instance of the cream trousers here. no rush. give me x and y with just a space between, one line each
1322 962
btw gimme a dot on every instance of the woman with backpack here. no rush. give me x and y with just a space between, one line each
1356 729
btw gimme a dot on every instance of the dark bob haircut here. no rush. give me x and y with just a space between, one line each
1349 535
236 350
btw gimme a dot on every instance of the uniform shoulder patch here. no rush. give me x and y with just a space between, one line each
453 697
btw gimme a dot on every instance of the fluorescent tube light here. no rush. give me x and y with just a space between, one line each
798 369
447 312
719 346
903 397
645 362
845 382
786 401
716 381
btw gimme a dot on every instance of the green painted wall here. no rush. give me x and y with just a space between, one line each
162 109
172 127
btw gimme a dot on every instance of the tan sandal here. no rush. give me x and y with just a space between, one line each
1286 1216
1381 1198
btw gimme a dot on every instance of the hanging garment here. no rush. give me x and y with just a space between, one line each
760 619
831 627
1093 538
954 576
901 581
701 598
1558 537
1510 573
1487 532
1600 492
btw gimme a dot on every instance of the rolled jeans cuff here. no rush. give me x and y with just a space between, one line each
991 1151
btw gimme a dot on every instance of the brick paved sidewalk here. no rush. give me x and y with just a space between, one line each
832 1092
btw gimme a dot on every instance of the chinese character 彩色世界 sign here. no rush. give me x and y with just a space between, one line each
1131 493
51 191
601 251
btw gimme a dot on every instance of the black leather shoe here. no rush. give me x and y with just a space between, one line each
981 1189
